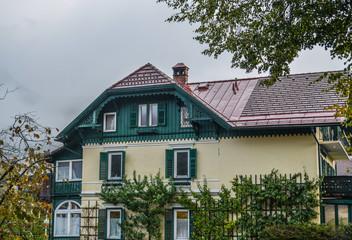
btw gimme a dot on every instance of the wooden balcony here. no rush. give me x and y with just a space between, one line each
67 188
337 186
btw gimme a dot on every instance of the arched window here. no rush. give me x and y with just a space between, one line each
67 219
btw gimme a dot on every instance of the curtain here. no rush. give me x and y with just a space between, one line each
115 229
61 224
77 170
182 228
75 224
63 170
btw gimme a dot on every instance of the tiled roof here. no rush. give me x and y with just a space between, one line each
290 101
246 103
147 75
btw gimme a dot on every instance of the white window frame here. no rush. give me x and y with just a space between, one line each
183 122
109 165
140 115
108 223
175 163
151 114
110 114
175 223
70 170
67 211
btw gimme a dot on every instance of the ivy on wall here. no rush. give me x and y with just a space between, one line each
145 199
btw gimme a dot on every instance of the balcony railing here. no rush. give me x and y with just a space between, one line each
337 186
67 188
334 133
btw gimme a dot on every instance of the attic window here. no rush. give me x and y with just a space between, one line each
109 122
203 86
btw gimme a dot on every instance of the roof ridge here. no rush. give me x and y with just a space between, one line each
148 65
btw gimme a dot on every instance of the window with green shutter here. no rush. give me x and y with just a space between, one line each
112 165
169 227
134 116
109 221
162 114
102 224
181 163
178 224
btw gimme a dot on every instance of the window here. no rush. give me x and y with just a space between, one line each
181 223
115 166
181 163
153 114
69 170
109 122
67 219
184 115
142 116
178 224
114 221
112 165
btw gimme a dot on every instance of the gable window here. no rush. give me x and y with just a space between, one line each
69 170
142 116
109 122
184 115
115 166
114 221
181 163
67 219
112 165
181 224
153 114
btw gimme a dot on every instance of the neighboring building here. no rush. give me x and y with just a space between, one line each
149 122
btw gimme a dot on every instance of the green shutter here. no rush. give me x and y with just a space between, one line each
103 171
123 157
193 163
134 116
169 225
191 225
161 114
122 222
169 163
102 224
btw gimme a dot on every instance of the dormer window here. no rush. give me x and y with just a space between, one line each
110 122
153 114
142 120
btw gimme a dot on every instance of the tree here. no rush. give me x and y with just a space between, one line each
23 168
145 199
267 35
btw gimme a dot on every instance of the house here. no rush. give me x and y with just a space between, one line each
150 122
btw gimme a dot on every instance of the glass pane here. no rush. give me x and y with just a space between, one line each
182 225
184 114
115 166
182 163
63 170
77 170
64 206
74 206
115 219
75 224
142 115
330 214
343 214
61 221
154 114
110 122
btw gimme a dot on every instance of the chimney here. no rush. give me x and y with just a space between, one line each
180 73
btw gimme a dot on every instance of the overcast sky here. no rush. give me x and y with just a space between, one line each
62 54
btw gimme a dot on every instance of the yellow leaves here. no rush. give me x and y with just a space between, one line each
26 126
1 142
36 135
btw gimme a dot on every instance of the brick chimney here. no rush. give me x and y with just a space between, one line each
180 73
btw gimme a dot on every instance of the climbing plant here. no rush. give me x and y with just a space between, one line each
252 204
145 199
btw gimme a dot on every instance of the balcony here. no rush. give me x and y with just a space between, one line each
334 142
67 188
337 186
